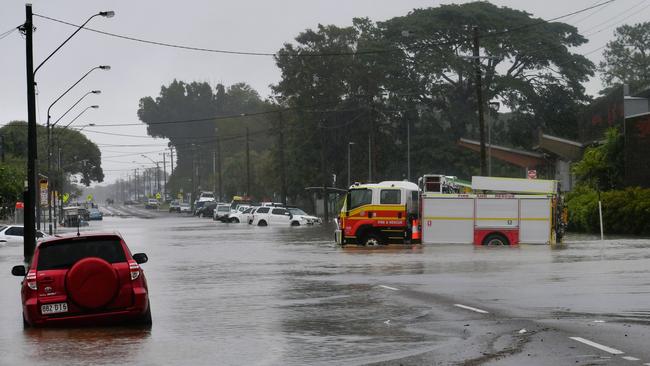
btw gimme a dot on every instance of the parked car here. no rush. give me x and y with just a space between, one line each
152 204
300 217
240 215
15 233
174 206
95 214
205 196
185 207
84 279
207 210
265 216
221 212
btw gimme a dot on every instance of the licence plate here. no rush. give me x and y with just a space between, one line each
60 307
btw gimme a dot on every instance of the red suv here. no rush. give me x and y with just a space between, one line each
86 279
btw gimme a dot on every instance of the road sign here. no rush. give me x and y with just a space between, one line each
179 196
20 205
158 196
532 174
66 197
89 197
44 192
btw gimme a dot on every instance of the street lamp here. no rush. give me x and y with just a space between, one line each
350 143
157 171
29 238
49 136
79 115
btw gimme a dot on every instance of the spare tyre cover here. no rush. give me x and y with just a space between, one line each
92 283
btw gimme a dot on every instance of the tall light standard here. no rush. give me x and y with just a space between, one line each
157 171
350 143
29 238
49 137
79 115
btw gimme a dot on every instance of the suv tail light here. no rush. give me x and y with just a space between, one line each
31 280
134 268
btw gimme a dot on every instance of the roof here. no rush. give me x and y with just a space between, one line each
67 236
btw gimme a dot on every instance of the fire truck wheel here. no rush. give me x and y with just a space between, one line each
372 240
496 240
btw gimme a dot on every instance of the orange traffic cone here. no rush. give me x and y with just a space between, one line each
415 231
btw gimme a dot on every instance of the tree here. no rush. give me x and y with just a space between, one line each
366 82
80 155
627 57
193 117
602 167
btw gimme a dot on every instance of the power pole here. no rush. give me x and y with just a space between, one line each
479 100
29 239
283 173
248 165
369 158
164 177
219 167
171 161
2 148
214 170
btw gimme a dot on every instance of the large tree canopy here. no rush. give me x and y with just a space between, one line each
79 155
371 82
627 57
193 116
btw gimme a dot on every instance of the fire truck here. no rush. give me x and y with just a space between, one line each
442 209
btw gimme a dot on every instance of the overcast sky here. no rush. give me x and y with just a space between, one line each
139 70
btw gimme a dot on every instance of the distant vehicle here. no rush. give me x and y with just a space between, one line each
205 196
207 210
152 204
272 204
239 200
240 215
15 233
184 207
95 214
265 216
300 217
85 279
74 216
130 203
174 206
221 212
197 206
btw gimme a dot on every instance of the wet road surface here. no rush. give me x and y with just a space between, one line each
233 294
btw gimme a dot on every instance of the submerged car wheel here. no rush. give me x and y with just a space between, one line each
234 220
295 223
262 223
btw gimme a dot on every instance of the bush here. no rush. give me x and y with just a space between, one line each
624 211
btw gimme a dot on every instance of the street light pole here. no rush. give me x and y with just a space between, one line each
29 238
350 143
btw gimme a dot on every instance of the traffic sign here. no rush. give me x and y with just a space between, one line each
66 197
89 197
158 196
20 205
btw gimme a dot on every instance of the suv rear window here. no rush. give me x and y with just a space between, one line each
64 255
262 210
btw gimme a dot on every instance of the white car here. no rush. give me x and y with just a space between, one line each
185 207
205 196
240 215
265 216
300 217
221 212
15 233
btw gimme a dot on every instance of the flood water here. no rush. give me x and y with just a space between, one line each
233 294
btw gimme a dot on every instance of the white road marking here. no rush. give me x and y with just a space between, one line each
389 288
387 322
599 321
522 331
630 358
597 345
471 308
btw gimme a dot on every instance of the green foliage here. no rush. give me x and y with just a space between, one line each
423 79
602 166
80 156
624 211
219 116
12 178
627 57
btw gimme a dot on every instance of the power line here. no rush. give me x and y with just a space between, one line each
611 18
7 33
311 54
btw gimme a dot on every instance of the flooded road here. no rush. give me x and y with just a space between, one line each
233 294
